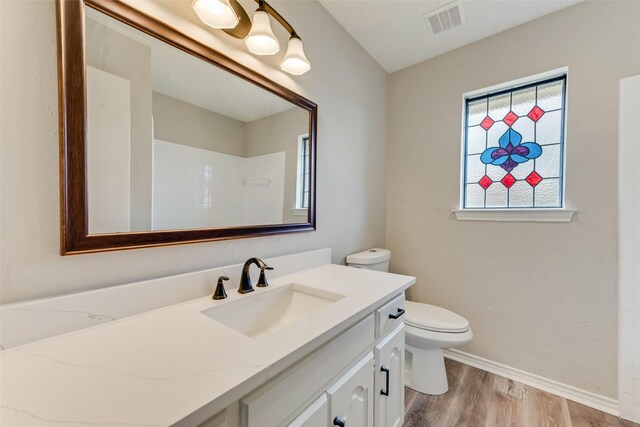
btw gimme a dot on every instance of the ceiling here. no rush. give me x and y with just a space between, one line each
209 87
396 35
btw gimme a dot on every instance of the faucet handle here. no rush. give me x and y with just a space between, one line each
220 293
262 280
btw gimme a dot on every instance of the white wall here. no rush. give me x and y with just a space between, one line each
113 52
349 87
108 152
540 297
629 250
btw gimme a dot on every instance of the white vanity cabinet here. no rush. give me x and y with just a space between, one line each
356 380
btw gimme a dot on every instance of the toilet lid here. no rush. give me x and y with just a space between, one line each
434 318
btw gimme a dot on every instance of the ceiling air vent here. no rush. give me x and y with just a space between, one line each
445 18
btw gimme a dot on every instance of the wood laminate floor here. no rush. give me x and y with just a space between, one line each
479 399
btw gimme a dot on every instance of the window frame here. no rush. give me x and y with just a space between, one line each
555 214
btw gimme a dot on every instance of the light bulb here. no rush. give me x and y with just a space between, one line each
216 13
261 40
295 62
216 7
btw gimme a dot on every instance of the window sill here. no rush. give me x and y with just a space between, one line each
299 211
515 215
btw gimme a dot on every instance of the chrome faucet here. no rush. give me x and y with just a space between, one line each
245 279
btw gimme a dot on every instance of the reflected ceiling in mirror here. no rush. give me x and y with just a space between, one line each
181 143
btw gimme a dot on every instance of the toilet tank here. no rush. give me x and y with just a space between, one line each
371 259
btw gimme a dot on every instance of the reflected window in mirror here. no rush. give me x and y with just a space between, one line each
302 184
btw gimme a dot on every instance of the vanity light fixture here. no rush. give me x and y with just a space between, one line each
261 40
217 14
295 62
258 36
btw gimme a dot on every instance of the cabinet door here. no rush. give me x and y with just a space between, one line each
389 380
316 414
351 397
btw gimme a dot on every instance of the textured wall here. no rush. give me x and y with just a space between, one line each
349 87
540 296
187 124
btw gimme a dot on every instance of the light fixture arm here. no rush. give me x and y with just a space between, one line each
263 5
244 24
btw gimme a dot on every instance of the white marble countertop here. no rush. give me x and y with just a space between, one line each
174 366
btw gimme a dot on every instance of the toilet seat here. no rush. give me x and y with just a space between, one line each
422 338
433 318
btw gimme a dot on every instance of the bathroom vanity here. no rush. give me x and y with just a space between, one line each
354 379
322 346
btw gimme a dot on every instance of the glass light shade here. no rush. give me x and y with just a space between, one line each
295 62
216 13
261 40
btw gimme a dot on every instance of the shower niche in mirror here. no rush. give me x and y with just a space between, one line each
167 141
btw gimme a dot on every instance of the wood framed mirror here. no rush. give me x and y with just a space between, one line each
164 140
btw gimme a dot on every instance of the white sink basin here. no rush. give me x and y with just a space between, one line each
267 311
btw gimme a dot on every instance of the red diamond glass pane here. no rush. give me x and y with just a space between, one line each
485 182
508 180
535 113
487 123
533 179
510 118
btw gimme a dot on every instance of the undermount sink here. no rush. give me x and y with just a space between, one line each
269 310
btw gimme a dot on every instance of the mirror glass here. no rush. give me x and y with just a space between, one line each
174 142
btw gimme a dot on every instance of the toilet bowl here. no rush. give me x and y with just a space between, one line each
429 329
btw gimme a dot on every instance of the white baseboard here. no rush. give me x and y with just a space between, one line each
602 403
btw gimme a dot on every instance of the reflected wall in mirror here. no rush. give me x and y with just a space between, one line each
179 142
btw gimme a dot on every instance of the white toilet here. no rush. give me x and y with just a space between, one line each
429 329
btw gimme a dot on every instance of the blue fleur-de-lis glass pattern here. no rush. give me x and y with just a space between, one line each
511 152
514 147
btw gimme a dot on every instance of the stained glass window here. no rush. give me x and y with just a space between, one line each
514 147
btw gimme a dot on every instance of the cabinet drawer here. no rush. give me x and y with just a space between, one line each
389 316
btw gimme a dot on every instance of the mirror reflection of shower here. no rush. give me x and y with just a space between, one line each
175 143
